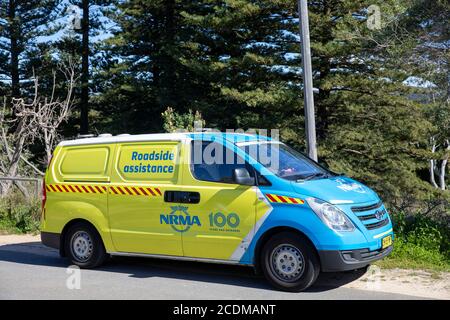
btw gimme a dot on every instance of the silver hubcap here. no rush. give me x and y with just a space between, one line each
81 246
288 263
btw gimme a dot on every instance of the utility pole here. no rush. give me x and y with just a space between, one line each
310 122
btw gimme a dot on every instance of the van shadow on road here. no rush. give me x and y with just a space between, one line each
34 253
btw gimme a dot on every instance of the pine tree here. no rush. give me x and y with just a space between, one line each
240 52
78 42
144 68
21 22
429 61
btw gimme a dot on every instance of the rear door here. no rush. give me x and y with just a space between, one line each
142 173
77 182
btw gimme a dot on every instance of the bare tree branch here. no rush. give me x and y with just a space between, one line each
38 119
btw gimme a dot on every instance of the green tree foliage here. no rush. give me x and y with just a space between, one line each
21 23
174 121
240 50
142 70
430 59
369 127
91 23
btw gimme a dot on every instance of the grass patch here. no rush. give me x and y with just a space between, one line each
407 255
8 226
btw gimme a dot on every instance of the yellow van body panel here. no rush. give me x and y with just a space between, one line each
228 213
136 199
73 193
81 207
120 188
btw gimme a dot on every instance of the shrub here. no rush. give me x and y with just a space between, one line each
425 234
18 214
421 238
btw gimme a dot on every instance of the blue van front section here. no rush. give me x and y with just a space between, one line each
372 219
337 250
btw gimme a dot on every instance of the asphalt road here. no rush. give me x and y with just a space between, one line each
32 271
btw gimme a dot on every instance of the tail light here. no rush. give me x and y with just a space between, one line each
44 190
44 194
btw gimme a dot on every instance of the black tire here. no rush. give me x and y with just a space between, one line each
306 267
95 254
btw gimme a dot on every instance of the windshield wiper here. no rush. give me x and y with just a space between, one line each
313 175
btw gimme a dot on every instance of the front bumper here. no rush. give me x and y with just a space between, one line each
337 260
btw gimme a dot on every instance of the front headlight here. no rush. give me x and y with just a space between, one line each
330 215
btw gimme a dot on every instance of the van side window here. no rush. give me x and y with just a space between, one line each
211 161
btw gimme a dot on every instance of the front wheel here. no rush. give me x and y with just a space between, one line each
84 246
289 262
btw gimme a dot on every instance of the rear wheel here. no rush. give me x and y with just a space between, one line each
289 262
84 247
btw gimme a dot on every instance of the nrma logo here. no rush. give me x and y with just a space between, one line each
179 219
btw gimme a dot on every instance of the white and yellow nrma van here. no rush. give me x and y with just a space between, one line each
211 197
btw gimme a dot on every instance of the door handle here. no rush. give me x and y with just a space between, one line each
181 196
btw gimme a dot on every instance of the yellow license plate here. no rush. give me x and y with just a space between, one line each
386 242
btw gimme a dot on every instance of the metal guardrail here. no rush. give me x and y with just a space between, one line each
36 181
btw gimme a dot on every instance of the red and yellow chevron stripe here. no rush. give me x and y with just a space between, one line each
135 191
76 188
283 199
120 190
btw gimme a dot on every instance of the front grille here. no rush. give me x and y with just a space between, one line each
366 214
368 217
377 225
367 208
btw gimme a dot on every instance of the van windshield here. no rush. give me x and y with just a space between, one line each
284 161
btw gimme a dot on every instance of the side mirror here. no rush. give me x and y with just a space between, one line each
242 176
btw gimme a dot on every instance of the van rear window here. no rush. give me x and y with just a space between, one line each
87 163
